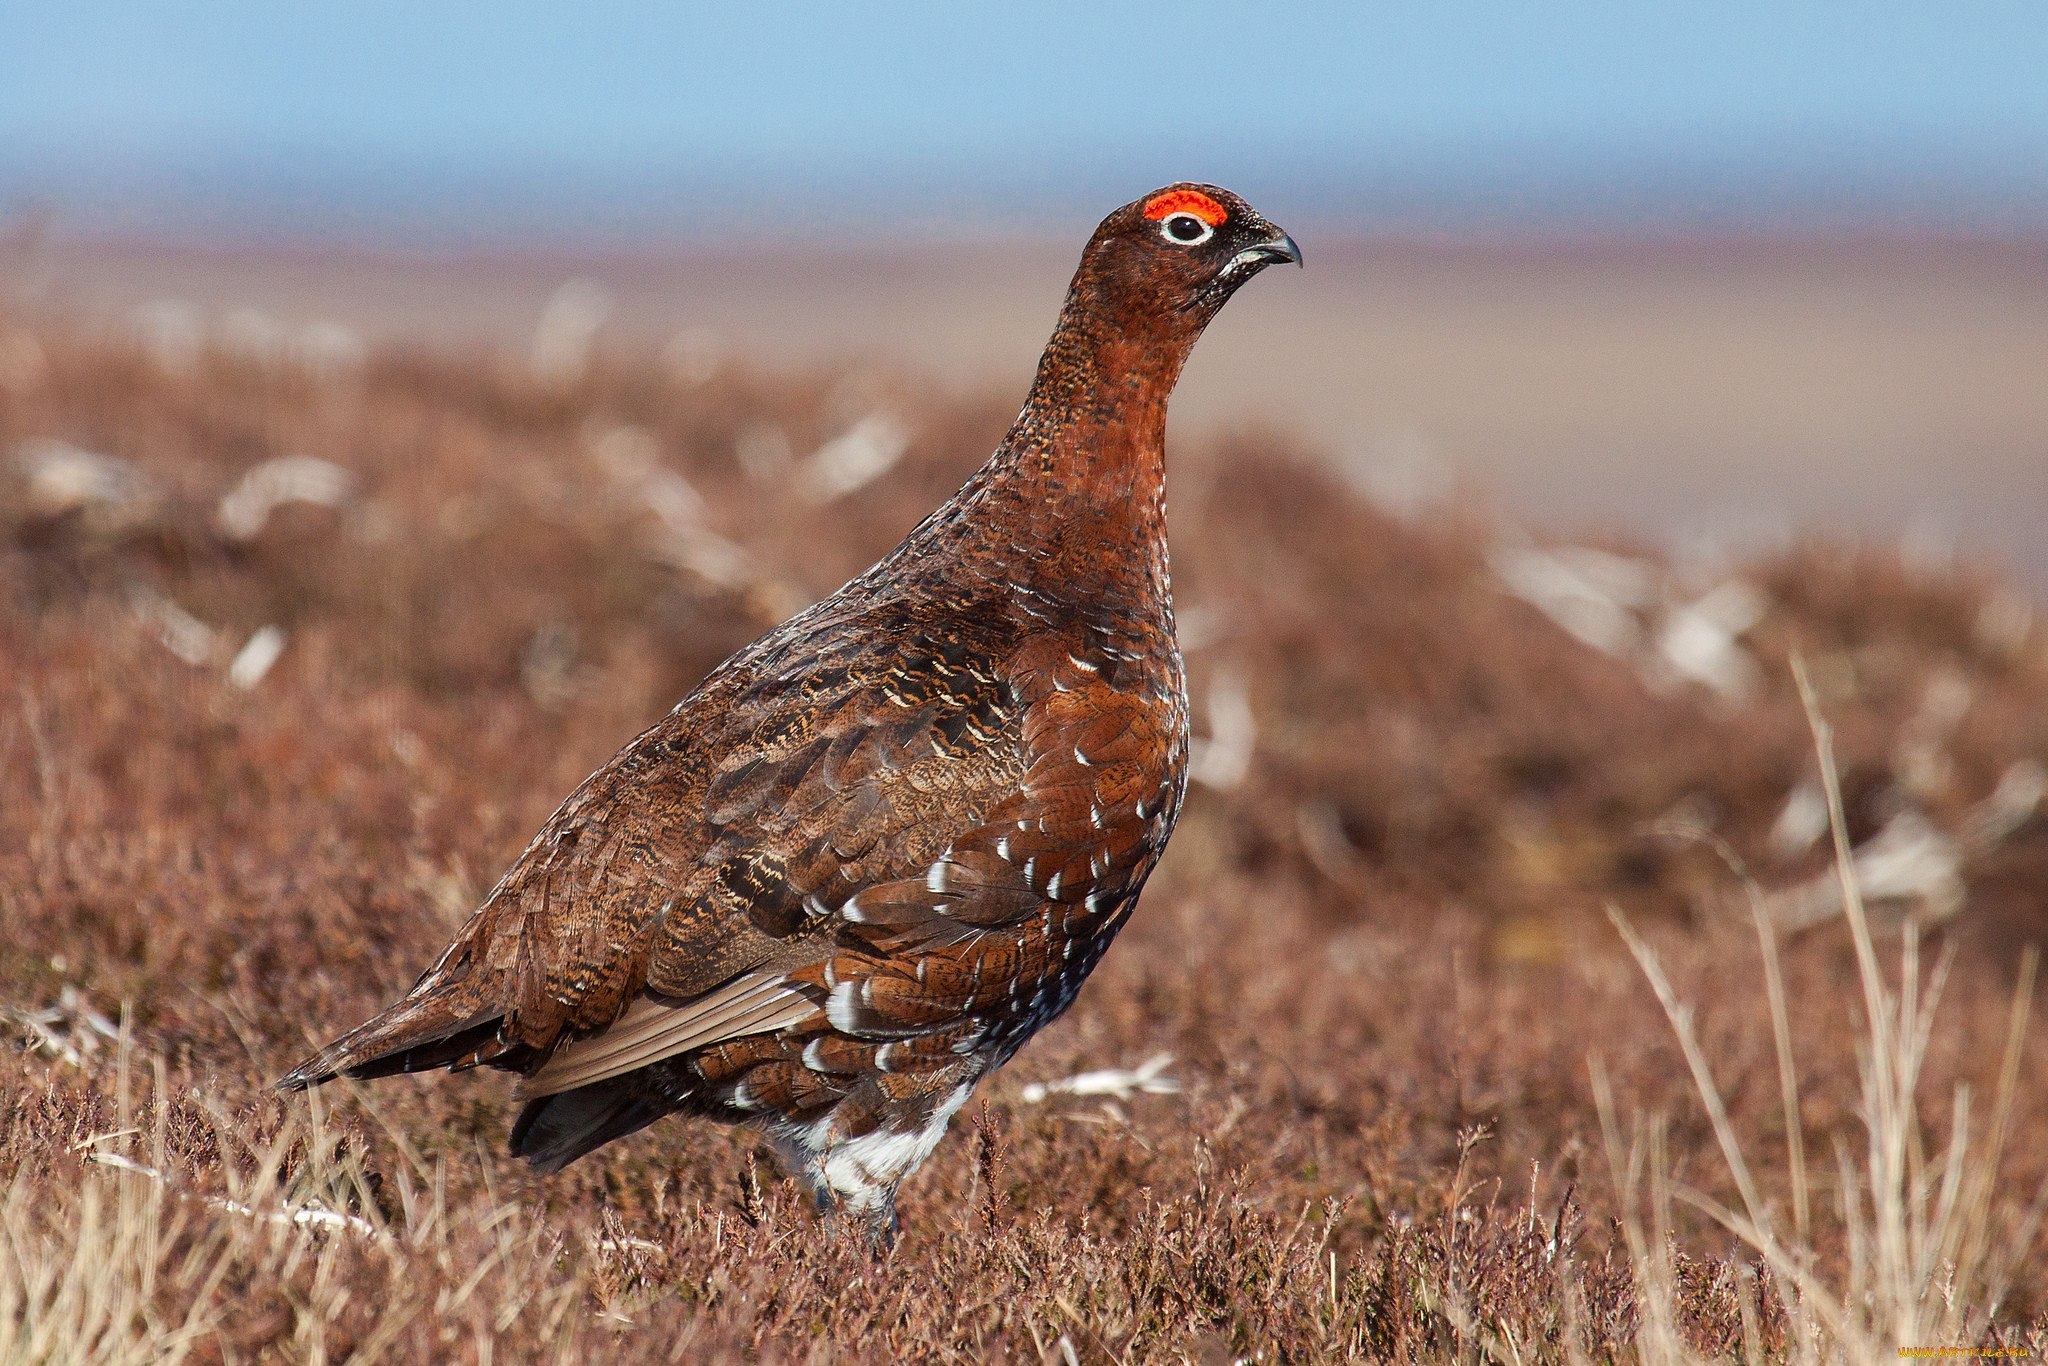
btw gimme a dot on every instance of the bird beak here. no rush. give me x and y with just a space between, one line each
1283 248
1259 255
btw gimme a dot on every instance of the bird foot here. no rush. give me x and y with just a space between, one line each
879 1222
883 1224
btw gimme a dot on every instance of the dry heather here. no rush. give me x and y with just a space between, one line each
1428 1107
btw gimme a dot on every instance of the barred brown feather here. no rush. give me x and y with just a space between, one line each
876 850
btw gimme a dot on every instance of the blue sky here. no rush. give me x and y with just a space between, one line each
676 119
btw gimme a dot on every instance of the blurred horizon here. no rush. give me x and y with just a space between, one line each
1709 275
632 124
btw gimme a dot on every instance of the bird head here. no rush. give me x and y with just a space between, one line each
1177 254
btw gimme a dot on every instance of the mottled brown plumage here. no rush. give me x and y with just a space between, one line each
877 849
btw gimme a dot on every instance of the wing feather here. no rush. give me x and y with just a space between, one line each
871 841
652 1029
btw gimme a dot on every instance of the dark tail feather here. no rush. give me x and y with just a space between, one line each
553 1131
413 1036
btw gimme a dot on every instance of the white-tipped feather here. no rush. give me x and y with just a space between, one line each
842 1008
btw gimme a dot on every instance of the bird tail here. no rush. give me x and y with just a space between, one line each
553 1131
439 1026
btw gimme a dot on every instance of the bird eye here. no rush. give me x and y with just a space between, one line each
1186 229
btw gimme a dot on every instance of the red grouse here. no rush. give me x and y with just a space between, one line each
880 847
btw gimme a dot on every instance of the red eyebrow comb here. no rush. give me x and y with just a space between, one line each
1186 201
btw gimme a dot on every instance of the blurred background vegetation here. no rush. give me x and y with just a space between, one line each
401 406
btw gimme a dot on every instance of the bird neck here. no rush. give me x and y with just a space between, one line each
1080 480
1089 446
1078 486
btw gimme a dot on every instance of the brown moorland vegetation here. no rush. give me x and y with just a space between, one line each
1422 1102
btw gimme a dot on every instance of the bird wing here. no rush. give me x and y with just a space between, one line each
652 1029
894 868
875 824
